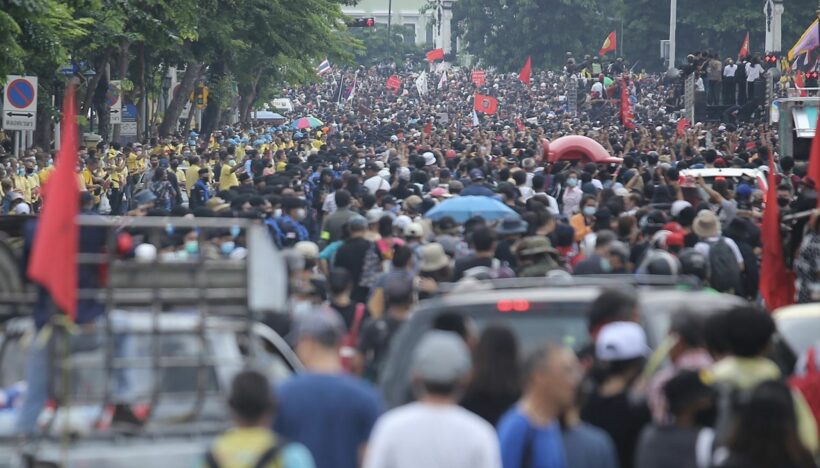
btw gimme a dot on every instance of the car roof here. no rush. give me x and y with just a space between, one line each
798 311
573 294
725 172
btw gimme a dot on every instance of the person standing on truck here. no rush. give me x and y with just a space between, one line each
251 443
330 412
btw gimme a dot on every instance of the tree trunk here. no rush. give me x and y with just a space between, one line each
211 114
171 118
248 98
142 93
125 60
101 108
99 64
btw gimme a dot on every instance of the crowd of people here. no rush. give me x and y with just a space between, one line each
349 194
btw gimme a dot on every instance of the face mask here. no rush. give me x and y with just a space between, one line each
277 213
232 162
192 247
50 162
21 171
783 202
572 182
29 170
605 265
227 247
589 210
300 214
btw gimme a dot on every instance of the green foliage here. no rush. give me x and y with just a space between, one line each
378 47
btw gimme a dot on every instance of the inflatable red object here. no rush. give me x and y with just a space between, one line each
577 148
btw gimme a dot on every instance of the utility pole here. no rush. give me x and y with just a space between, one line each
673 24
389 24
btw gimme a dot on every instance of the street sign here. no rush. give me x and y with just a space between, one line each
129 120
20 103
113 98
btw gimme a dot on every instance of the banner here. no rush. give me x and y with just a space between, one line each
394 83
421 83
435 54
478 78
485 104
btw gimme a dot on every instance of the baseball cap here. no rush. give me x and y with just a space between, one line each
476 174
321 324
357 223
441 357
413 201
621 341
413 230
678 206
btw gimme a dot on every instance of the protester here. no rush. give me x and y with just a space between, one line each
435 431
251 443
314 402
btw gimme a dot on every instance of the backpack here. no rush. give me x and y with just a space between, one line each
288 236
267 457
725 272
371 268
729 402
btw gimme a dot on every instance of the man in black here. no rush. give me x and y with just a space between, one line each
483 242
356 256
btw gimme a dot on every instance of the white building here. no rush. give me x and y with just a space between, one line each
405 13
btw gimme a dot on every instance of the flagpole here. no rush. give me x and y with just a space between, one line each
673 24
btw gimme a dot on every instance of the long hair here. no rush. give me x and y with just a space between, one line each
766 430
497 371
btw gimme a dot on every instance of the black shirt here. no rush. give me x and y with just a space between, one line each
667 447
621 418
351 256
465 263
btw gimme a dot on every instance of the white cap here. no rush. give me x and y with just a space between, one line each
413 230
401 222
429 158
145 253
678 206
621 341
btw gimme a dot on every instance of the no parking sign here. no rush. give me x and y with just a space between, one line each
20 103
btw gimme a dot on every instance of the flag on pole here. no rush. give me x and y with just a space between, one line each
393 83
442 82
421 83
744 48
478 78
683 125
323 68
776 281
485 104
627 118
53 261
475 119
808 41
435 54
353 88
610 44
526 72
814 162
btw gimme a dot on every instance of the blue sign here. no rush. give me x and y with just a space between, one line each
20 93
129 112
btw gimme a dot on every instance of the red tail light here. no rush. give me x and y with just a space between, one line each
513 305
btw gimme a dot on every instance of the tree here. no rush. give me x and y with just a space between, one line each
378 47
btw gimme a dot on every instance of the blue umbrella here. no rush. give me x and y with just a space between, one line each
463 208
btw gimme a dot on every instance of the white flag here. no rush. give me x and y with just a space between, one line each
475 119
353 89
443 80
421 83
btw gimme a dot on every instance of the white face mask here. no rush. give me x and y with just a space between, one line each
277 213
300 214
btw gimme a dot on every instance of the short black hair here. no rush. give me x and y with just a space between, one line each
251 397
483 238
750 330
612 305
338 280
454 322
342 198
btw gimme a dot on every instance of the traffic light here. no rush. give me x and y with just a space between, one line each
362 23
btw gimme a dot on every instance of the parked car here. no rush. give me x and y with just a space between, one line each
540 313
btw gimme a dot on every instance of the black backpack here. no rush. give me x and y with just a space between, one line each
725 272
267 457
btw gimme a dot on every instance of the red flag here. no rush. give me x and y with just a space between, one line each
526 72
486 104
814 162
519 124
435 54
428 128
478 78
776 281
627 119
610 44
53 262
394 83
744 48
800 82
683 125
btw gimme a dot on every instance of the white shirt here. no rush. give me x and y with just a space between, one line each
329 205
699 84
703 247
729 71
526 193
553 204
376 183
432 436
753 72
572 200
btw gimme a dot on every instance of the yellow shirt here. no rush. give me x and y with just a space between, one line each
180 173
21 183
134 163
88 181
44 174
81 183
242 448
34 186
227 179
191 176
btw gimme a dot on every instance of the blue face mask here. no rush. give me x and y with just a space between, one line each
227 247
589 211
192 247
605 265
572 182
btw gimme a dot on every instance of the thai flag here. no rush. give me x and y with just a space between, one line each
323 68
